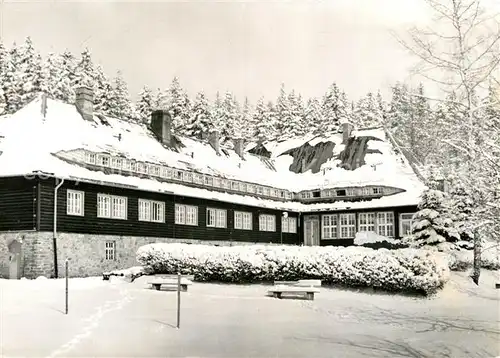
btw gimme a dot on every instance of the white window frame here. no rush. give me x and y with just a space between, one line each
267 222
242 220
347 226
110 250
289 225
198 178
90 158
216 218
75 202
385 223
329 227
208 180
405 219
142 168
133 166
151 211
116 162
188 177
111 206
217 182
367 222
186 215
103 160
377 190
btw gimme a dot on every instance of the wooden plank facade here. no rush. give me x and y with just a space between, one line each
29 204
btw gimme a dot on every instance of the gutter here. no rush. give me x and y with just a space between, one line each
54 237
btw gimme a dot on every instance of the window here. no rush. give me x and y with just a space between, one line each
74 202
235 185
90 158
186 215
198 178
133 166
188 177
289 225
142 168
367 191
377 190
178 174
341 192
251 188
225 184
289 195
216 218
329 223
282 194
110 250
150 210
405 224
126 164
103 160
209 181
243 186
366 222
316 194
267 191
267 222
112 207
260 190
154 169
217 182
385 224
116 163
351 191
242 220
347 226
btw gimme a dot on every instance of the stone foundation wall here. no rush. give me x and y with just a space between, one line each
87 253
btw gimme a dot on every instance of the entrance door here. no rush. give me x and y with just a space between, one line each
311 230
15 260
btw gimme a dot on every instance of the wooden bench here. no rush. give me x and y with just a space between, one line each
300 283
170 282
279 290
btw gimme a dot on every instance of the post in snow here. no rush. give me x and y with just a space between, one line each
178 300
66 274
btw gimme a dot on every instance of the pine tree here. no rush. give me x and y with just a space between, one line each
313 116
282 112
335 108
3 68
63 87
29 69
145 104
160 99
247 120
230 118
367 112
293 122
200 123
121 106
12 85
433 223
216 114
103 93
264 128
178 104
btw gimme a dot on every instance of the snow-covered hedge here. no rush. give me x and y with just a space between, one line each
375 241
462 260
395 270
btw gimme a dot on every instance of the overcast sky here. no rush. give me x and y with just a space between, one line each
247 47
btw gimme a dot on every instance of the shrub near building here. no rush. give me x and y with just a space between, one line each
396 270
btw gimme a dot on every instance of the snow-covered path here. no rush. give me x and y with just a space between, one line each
119 319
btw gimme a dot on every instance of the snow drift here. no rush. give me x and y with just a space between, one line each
393 270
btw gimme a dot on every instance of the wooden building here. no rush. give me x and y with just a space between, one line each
78 185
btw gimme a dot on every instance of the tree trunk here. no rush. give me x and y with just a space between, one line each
477 258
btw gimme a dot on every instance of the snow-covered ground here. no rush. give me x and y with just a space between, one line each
119 319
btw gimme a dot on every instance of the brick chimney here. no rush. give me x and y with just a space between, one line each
161 125
84 101
214 140
238 147
346 131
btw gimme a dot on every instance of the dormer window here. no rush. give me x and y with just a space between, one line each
170 173
289 195
251 188
209 180
198 178
116 163
235 185
351 192
267 191
90 158
142 168
377 190
217 182
282 194
178 175
126 164
316 194
133 166
154 169
103 160
260 190
367 191
163 172
243 186
188 177
341 192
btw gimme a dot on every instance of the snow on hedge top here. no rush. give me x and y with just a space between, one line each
28 140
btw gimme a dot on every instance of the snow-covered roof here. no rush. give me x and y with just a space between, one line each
28 140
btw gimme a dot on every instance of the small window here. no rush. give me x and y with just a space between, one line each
235 185
186 215
103 160
243 187
242 220
341 192
351 191
90 158
289 195
133 166
198 178
260 190
178 174
251 188
267 191
152 211
377 190
289 225
163 172
155 170
217 182
216 218
225 184
142 168
405 224
126 164
116 163
75 202
282 194
267 222
188 177
209 180
110 250
316 194
111 206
